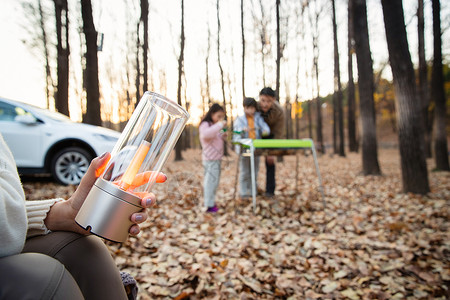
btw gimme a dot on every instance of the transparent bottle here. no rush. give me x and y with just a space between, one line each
135 164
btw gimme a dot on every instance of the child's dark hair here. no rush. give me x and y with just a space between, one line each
213 109
268 92
249 102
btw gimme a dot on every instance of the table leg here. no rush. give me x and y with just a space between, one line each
318 174
296 172
252 167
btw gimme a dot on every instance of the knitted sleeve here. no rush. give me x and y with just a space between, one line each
36 214
18 218
13 219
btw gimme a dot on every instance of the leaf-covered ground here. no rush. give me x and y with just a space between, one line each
364 240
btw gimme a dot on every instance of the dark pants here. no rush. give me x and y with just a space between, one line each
61 265
270 178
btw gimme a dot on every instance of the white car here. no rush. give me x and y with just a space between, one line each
47 142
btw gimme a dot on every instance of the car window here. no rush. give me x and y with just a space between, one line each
56 116
9 112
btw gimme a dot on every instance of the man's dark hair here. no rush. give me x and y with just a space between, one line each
249 102
268 92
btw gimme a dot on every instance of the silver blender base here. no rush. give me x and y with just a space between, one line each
107 210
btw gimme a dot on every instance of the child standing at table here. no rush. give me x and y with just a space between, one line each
212 141
251 125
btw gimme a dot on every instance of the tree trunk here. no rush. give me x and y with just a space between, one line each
423 78
265 44
338 87
438 94
62 28
92 87
366 89
208 88
243 49
351 123
178 147
334 123
222 80
336 63
321 146
48 75
310 135
410 126
319 136
138 65
224 102
277 85
314 20
296 118
288 120
144 20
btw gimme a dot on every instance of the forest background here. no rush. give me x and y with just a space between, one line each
370 236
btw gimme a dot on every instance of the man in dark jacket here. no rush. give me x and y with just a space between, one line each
273 115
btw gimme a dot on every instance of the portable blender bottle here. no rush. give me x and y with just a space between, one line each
136 160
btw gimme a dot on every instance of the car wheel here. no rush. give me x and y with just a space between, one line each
70 164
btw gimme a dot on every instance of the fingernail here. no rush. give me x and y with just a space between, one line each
103 155
134 230
138 218
150 201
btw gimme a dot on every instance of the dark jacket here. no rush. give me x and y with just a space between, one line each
275 119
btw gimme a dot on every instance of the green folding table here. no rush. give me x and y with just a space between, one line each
276 147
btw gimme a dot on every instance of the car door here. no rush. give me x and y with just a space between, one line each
22 132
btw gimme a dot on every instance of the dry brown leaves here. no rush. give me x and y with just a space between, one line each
371 241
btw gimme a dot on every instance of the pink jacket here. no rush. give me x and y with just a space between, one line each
211 140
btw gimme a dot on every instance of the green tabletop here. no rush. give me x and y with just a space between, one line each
281 144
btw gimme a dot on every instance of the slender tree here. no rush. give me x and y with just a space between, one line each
129 67
138 65
308 102
243 49
309 108
314 16
351 104
38 40
208 86
63 50
438 93
410 127
277 84
366 89
92 87
219 61
144 20
423 78
203 95
337 86
265 48
334 98
45 43
179 145
224 101
300 40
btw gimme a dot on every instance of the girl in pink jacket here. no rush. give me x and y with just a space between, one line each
212 141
